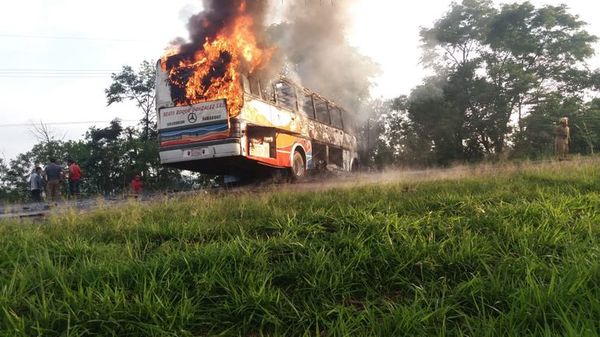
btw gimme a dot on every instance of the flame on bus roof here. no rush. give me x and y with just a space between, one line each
223 45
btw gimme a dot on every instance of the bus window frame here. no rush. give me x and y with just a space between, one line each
246 87
341 117
315 98
248 90
295 108
309 114
258 87
264 93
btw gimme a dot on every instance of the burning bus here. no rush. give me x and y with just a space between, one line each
218 114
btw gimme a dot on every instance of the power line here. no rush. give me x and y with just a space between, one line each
50 37
55 73
63 123
32 70
53 76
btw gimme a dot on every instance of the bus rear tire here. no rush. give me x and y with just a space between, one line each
298 169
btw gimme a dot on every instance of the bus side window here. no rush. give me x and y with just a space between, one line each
306 105
267 91
349 123
322 111
286 95
254 86
336 117
246 84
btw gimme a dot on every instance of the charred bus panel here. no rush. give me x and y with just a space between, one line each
302 115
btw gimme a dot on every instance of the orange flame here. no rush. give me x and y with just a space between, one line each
214 71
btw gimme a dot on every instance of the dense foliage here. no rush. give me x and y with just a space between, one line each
503 78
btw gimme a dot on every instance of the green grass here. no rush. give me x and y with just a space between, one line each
513 253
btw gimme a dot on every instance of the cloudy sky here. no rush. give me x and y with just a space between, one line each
57 55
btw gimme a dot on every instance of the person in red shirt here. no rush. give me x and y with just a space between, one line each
136 186
74 178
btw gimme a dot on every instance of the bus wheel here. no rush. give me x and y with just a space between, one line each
298 166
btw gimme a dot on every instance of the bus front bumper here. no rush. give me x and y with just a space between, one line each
208 150
222 157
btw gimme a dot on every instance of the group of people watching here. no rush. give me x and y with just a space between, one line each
52 178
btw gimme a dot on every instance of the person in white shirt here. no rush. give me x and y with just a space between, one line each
36 185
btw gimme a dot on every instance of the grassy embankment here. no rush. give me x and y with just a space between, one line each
513 253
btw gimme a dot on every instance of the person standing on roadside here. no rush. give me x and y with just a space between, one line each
562 135
74 178
136 186
36 184
54 176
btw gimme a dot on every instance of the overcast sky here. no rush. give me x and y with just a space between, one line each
57 55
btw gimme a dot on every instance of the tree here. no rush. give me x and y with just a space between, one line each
534 53
370 130
502 63
140 154
4 187
445 131
390 138
104 164
137 86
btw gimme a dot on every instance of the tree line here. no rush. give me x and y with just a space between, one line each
502 77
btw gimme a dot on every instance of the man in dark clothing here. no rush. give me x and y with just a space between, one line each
74 178
562 137
36 185
54 177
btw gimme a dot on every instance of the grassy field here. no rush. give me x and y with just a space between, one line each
511 251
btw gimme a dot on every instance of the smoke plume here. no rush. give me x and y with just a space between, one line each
312 43
309 43
216 16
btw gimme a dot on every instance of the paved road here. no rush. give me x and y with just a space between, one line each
33 210
312 183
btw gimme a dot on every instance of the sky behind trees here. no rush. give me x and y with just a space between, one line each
58 55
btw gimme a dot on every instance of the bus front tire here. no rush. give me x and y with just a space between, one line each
298 169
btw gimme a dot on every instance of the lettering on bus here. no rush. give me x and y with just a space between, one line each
175 123
194 108
190 115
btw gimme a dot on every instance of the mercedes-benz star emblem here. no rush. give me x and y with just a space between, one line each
192 118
